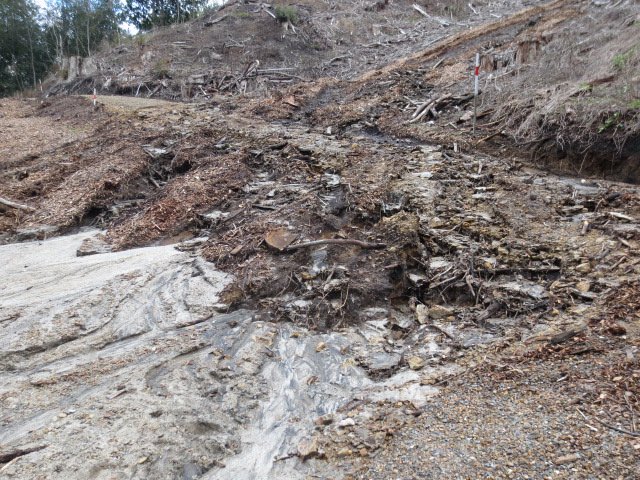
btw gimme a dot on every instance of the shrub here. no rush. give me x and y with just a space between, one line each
610 121
286 13
161 69
621 59
140 40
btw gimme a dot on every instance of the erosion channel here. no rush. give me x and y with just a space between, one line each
119 365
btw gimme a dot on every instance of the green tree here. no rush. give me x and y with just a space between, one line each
146 14
24 52
77 27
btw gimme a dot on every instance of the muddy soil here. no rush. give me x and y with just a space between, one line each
483 257
120 365
308 286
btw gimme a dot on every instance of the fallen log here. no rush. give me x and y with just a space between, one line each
430 106
19 206
336 241
208 23
7 456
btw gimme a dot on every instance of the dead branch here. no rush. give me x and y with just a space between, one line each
6 457
240 80
154 91
377 6
567 335
422 11
441 330
336 241
612 427
421 108
227 3
19 206
336 59
429 106
438 63
271 70
419 9
489 137
264 7
208 23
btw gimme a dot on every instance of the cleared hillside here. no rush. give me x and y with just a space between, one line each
366 286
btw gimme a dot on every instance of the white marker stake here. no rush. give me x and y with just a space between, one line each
476 74
95 99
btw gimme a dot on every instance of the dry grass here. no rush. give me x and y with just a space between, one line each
577 94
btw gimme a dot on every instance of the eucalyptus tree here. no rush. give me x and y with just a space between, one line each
24 52
146 14
77 27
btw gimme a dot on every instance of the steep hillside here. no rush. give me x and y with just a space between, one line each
217 52
559 82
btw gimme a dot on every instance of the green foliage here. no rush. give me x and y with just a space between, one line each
141 39
161 69
621 59
241 14
586 87
77 27
610 121
286 13
146 14
635 104
24 52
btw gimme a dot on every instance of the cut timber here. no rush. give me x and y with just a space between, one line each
337 241
18 206
280 238
419 9
208 23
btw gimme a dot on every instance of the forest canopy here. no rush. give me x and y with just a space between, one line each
32 39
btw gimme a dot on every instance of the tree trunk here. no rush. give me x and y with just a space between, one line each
33 63
88 13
